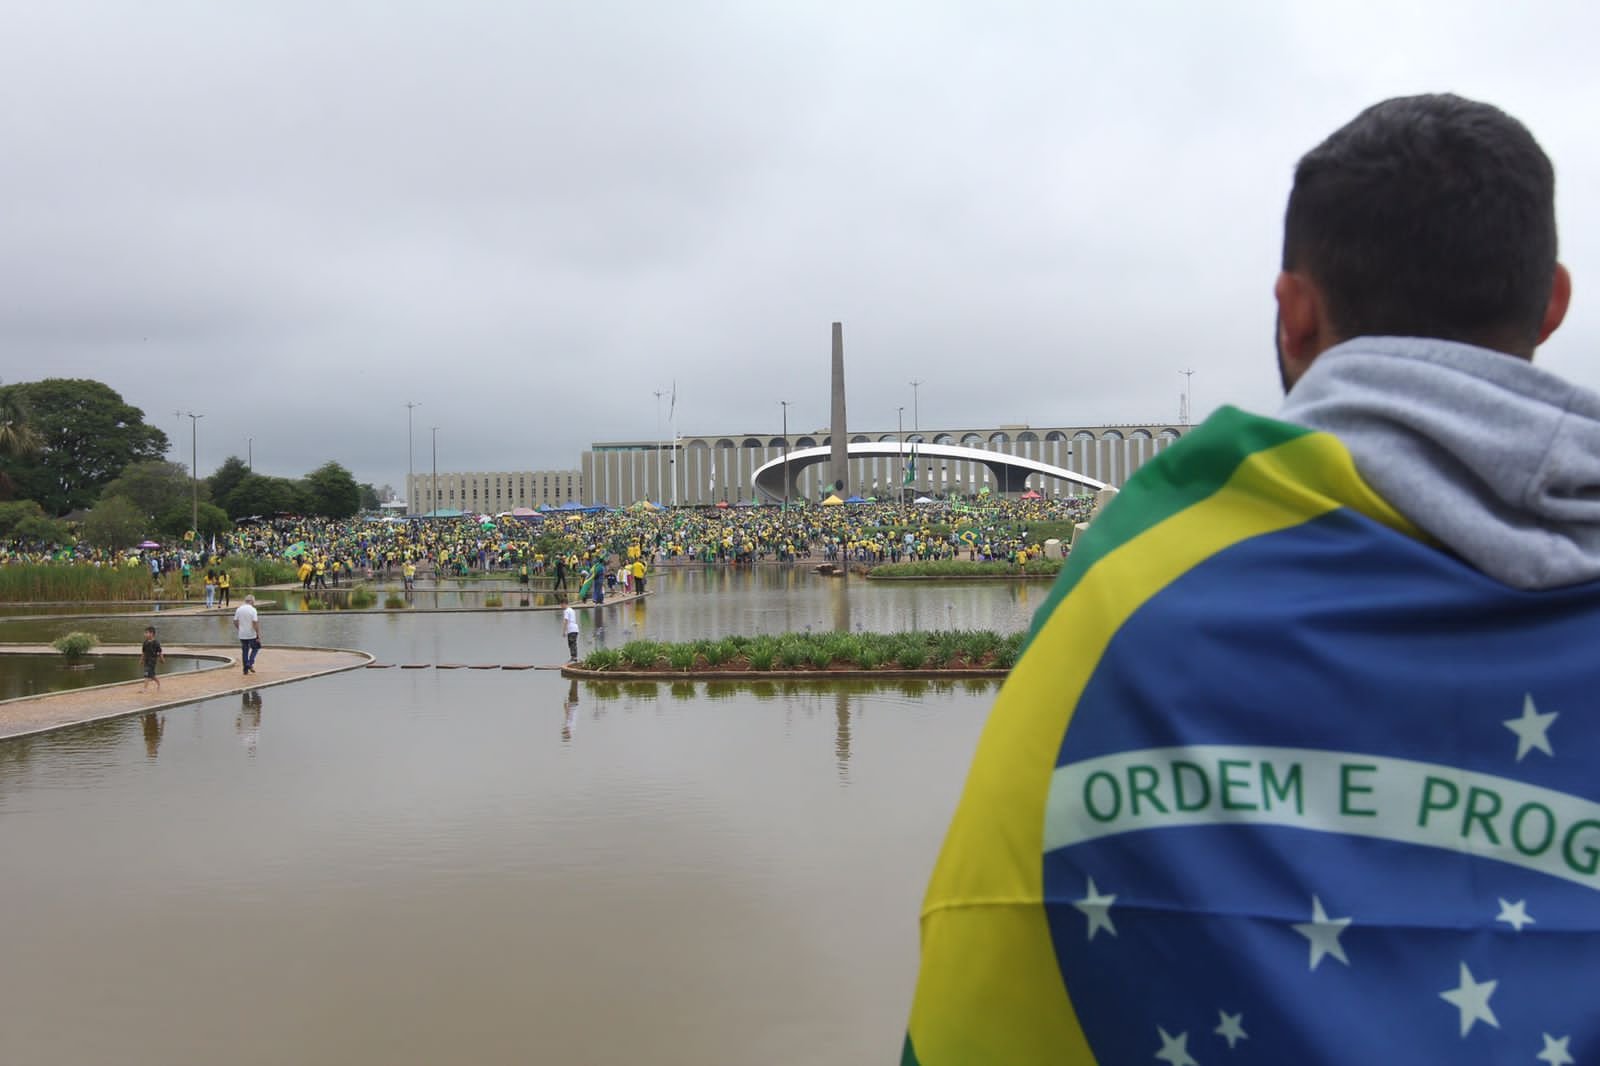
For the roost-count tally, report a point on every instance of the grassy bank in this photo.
(963, 568)
(82, 583)
(948, 650)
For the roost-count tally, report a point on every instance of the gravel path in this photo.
(277, 665)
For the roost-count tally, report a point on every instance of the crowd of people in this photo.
(326, 553)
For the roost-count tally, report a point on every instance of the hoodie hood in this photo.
(1494, 458)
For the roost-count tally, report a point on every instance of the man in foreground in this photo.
(247, 625)
(1298, 766)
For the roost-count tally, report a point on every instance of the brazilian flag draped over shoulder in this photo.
(1276, 781)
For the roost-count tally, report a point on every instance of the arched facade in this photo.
(703, 470)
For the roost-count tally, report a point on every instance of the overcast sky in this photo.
(296, 217)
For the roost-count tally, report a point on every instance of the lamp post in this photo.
(411, 472)
(659, 479)
(194, 473)
(900, 446)
(250, 454)
(1188, 395)
(785, 405)
(434, 491)
(916, 415)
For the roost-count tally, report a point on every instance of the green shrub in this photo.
(821, 657)
(762, 655)
(76, 644)
(393, 602)
(314, 604)
(361, 599)
(717, 652)
(792, 652)
(641, 654)
(911, 655)
(1009, 649)
(493, 601)
(681, 656)
(869, 659)
(602, 659)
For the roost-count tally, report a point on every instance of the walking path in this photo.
(277, 665)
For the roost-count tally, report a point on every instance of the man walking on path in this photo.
(247, 625)
(569, 623)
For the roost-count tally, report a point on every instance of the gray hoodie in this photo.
(1494, 458)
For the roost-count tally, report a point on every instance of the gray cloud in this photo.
(295, 217)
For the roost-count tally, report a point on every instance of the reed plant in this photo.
(73, 583)
(75, 645)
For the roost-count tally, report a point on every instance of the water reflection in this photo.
(482, 866)
(248, 721)
(155, 724)
(841, 735)
(569, 711)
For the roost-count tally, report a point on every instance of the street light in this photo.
(250, 454)
(916, 417)
(900, 446)
(660, 487)
(194, 473)
(411, 473)
(785, 405)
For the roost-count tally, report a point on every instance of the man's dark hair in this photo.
(1428, 216)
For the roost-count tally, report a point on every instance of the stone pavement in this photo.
(277, 665)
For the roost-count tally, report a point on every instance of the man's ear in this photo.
(1303, 331)
(1556, 310)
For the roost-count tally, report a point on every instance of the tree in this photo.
(332, 492)
(37, 529)
(86, 434)
(370, 497)
(18, 438)
(259, 494)
(115, 523)
(23, 521)
(177, 521)
(227, 477)
(155, 487)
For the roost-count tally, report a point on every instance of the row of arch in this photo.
(998, 439)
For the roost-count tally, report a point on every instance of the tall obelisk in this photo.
(839, 459)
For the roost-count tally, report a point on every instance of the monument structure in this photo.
(839, 459)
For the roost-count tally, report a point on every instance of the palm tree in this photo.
(17, 437)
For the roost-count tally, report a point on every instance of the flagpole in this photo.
(672, 461)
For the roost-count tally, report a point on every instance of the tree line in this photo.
(75, 456)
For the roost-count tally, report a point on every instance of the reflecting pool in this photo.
(419, 867)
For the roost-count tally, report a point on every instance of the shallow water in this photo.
(32, 675)
(685, 604)
(429, 867)
(398, 867)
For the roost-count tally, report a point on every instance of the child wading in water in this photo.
(150, 652)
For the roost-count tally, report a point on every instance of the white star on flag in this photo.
(1097, 909)
(1471, 998)
(1555, 1051)
(1514, 914)
(1532, 728)
(1175, 1049)
(1231, 1028)
(1323, 932)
